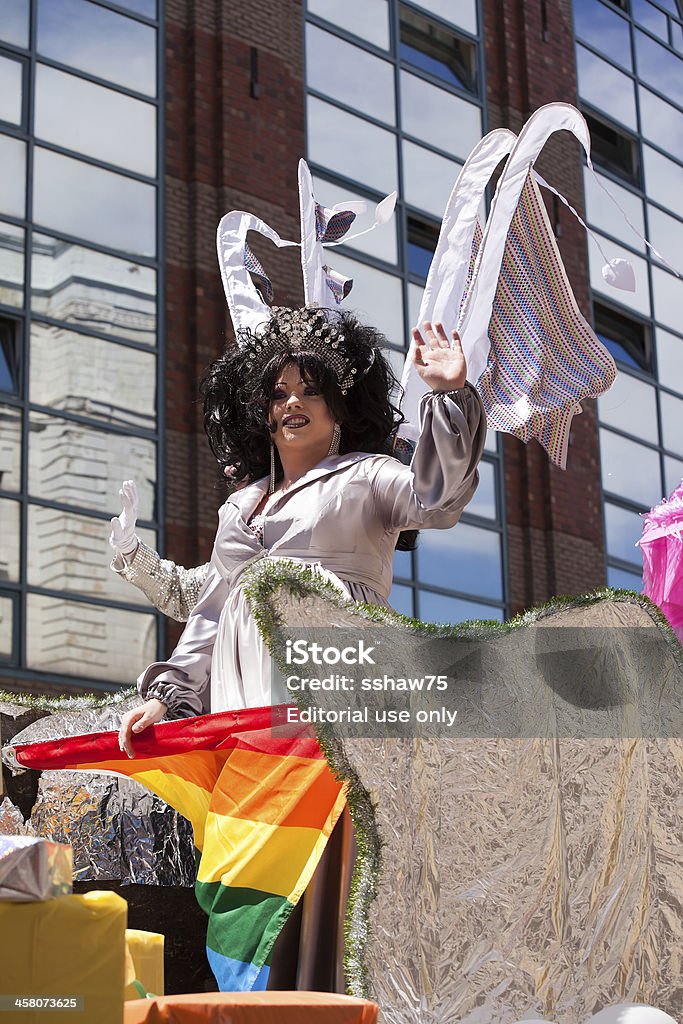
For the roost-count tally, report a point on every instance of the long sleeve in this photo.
(171, 588)
(442, 477)
(183, 682)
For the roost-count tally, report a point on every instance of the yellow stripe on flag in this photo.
(254, 855)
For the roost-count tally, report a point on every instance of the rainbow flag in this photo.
(262, 802)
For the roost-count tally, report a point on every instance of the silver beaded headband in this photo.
(303, 330)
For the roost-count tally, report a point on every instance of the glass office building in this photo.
(395, 100)
(125, 120)
(80, 325)
(629, 58)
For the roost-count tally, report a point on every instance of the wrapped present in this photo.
(144, 964)
(69, 949)
(34, 869)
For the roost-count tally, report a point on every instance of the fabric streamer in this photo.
(530, 352)
(262, 802)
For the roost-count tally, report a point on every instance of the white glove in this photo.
(123, 538)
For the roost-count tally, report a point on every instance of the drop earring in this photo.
(334, 443)
(271, 489)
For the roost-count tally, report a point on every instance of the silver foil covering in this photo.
(118, 830)
(501, 880)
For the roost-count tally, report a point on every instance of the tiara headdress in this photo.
(293, 331)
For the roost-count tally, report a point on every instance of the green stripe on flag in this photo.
(243, 923)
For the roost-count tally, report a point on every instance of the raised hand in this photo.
(441, 365)
(123, 537)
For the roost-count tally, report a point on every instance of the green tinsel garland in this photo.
(55, 705)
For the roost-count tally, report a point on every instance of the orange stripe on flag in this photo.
(274, 790)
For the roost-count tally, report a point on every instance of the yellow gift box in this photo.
(68, 947)
(144, 964)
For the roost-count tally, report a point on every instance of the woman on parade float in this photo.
(309, 396)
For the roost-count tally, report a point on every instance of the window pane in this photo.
(463, 558)
(352, 147)
(79, 465)
(629, 469)
(639, 300)
(666, 234)
(13, 163)
(630, 405)
(624, 528)
(663, 180)
(403, 564)
(79, 639)
(91, 119)
(6, 627)
(449, 610)
(99, 41)
(376, 296)
(661, 123)
(415, 293)
(380, 243)
(614, 150)
(491, 443)
(10, 448)
(659, 66)
(672, 422)
(626, 338)
(78, 374)
(71, 552)
(604, 215)
(426, 110)
(670, 360)
(428, 178)
(9, 355)
(10, 526)
(677, 36)
(423, 236)
(458, 12)
(438, 51)
(401, 600)
(94, 204)
(93, 290)
(624, 580)
(673, 474)
(14, 22)
(648, 16)
(604, 29)
(146, 7)
(604, 87)
(350, 75)
(396, 358)
(11, 265)
(368, 19)
(484, 501)
(11, 75)
(668, 298)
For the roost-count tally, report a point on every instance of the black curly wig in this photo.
(237, 392)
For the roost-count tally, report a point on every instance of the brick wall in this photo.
(225, 150)
(555, 534)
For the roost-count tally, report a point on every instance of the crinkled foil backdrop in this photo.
(119, 831)
(518, 878)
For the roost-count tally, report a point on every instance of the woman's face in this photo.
(300, 414)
